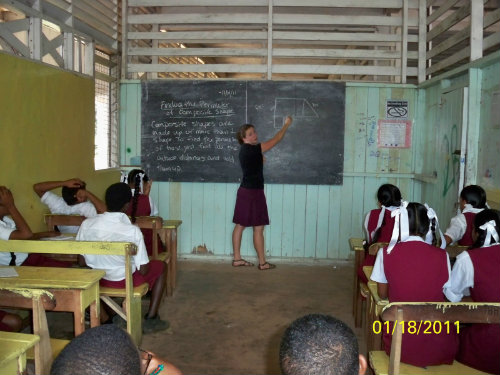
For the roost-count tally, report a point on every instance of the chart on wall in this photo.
(188, 129)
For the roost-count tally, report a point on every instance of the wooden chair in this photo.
(444, 312)
(45, 349)
(53, 220)
(155, 223)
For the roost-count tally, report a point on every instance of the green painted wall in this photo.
(307, 221)
(47, 132)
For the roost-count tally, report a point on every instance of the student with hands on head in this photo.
(75, 200)
(251, 207)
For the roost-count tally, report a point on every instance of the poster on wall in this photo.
(396, 109)
(394, 133)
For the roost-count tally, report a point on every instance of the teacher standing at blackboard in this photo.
(251, 208)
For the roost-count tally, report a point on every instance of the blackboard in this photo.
(188, 129)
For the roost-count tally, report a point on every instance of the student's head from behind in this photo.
(473, 195)
(389, 195)
(486, 228)
(118, 197)
(73, 195)
(418, 221)
(319, 344)
(103, 350)
(136, 177)
(246, 134)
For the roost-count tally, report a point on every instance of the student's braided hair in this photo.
(135, 176)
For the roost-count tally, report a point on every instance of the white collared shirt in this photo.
(57, 205)
(113, 227)
(458, 223)
(7, 226)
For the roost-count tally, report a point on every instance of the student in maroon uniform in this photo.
(472, 201)
(379, 223)
(142, 205)
(414, 271)
(475, 273)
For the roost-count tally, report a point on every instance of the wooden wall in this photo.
(307, 221)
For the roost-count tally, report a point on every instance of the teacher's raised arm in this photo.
(266, 146)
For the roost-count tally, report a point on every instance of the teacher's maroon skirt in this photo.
(251, 208)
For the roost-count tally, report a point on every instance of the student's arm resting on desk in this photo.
(267, 145)
(22, 231)
(461, 279)
(378, 275)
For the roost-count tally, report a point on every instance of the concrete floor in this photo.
(227, 320)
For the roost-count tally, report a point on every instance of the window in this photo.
(106, 106)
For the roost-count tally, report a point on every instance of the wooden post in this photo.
(476, 29)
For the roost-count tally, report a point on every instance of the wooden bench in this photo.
(45, 348)
(131, 307)
(444, 312)
(356, 245)
(13, 348)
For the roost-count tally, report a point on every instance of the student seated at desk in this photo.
(414, 271)
(379, 223)
(142, 205)
(16, 228)
(108, 350)
(115, 226)
(472, 201)
(476, 273)
(75, 200)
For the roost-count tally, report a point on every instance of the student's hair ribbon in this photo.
(431, 214)
(490, 228)
(401, 226)
(124, 177)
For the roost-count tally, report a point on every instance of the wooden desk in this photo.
(356, 245)
(373, 311)
(168, 234)
(13, 347)
(73, 288)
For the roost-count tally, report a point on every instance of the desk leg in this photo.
(173, 246)
(95, 314)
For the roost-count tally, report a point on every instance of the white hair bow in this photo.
(491, 231)
(431, 214)
(141, 176)
(124, 177)
(379, 222)
(400, 216)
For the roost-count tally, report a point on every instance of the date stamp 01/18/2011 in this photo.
(412, 327)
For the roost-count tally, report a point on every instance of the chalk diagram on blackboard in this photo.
(296, 107)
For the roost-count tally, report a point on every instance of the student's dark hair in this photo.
(319, 344)
(474, 195)
(102, 350)
(135, 178)
(242, 132)
(117, 195)
(480, 219)
(388, 195)
(69, 194)
(418, 221)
